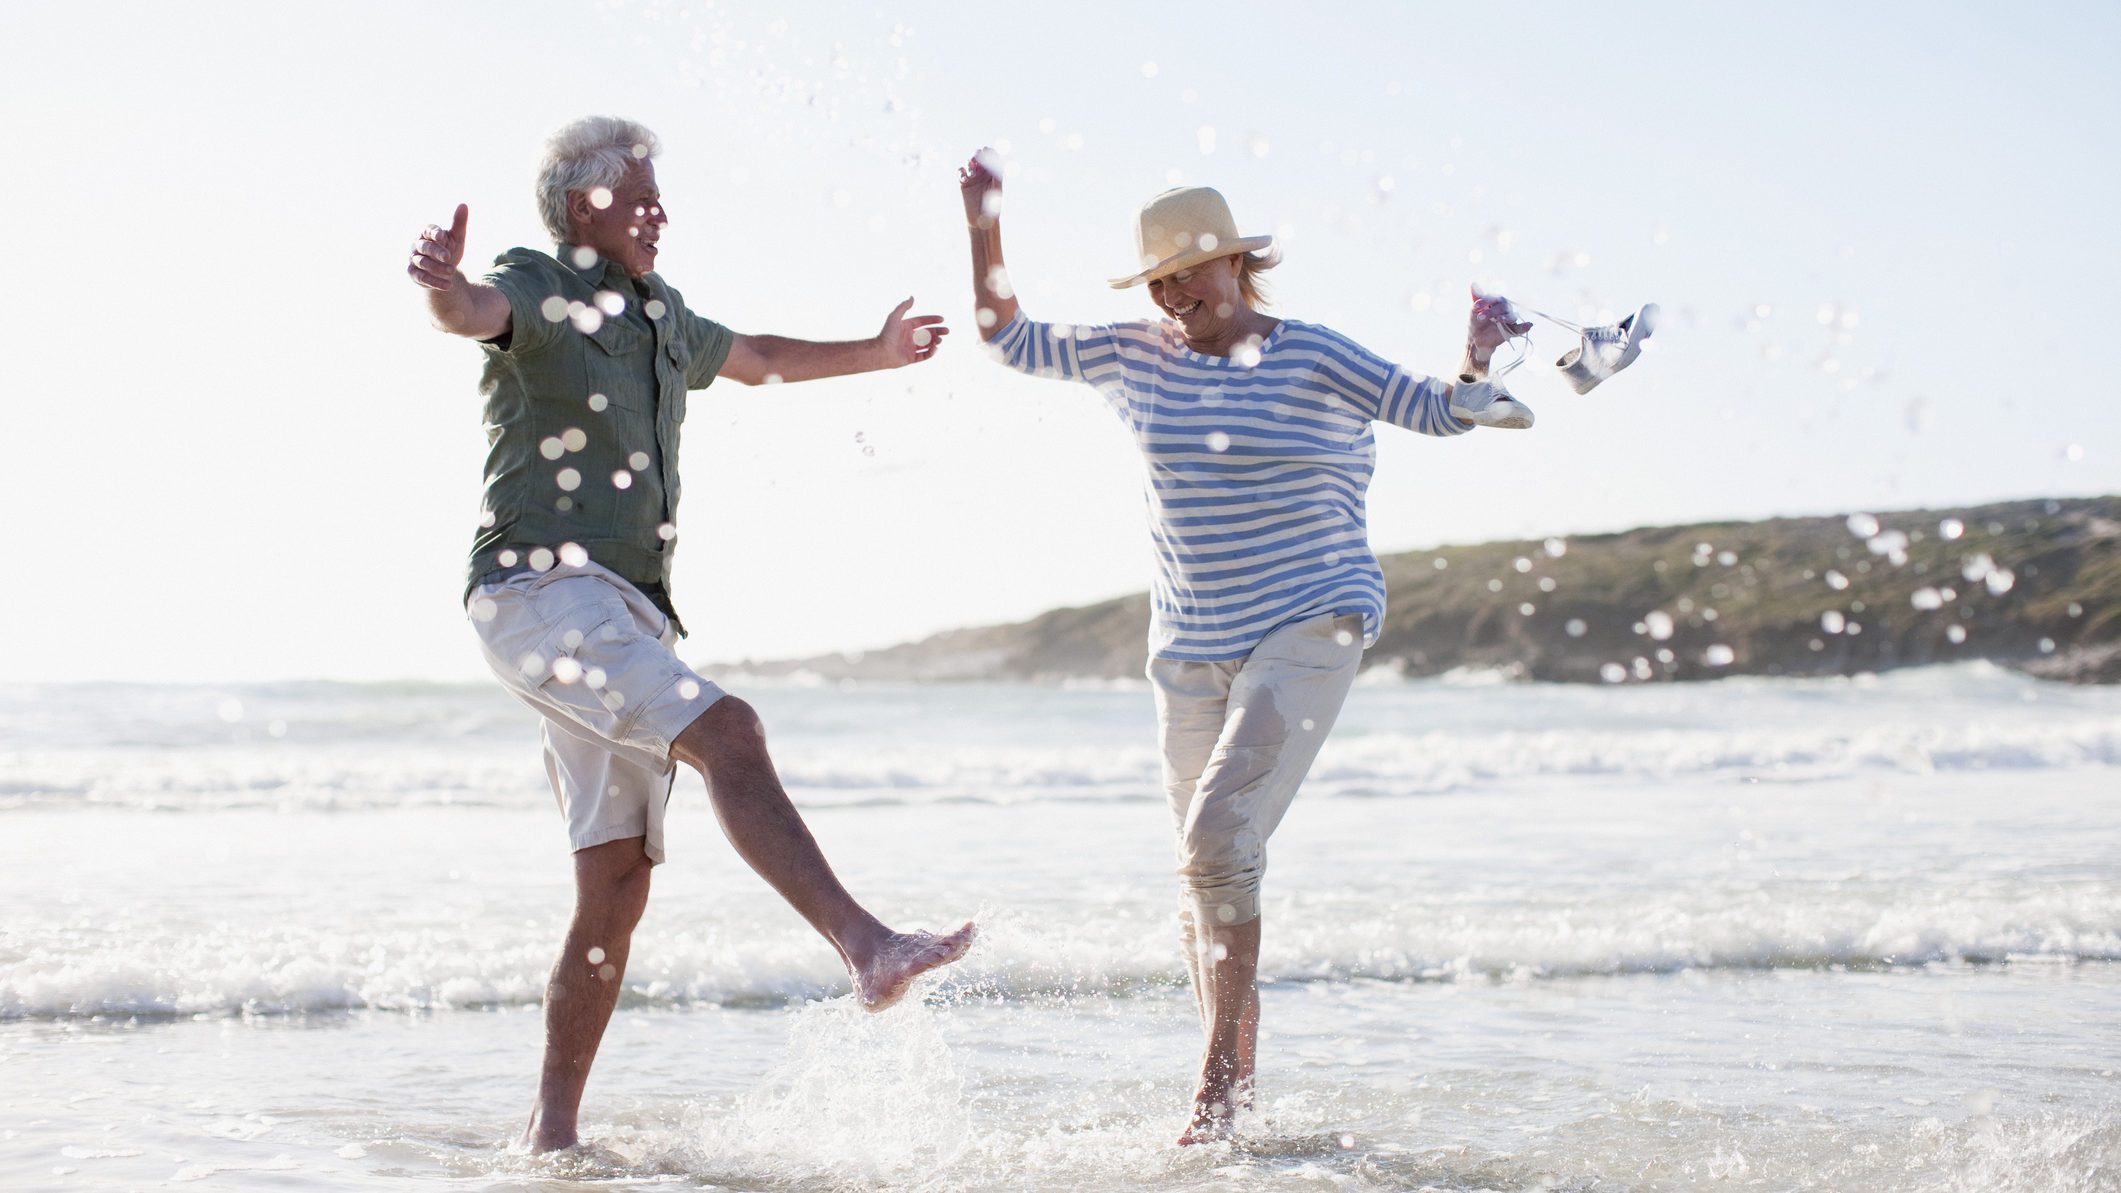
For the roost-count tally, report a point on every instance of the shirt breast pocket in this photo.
(680, 354)
(619, 366)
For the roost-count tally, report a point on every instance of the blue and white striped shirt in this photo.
(1257, 467)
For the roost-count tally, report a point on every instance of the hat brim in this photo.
(1191, 257)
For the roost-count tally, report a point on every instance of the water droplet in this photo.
(1576, 627)
(1926, 598)
(584, 258)
(1863, 526)
(573, 439)
(1999, 581)
(1956, 633)
(1525, 609)
(596, 955)
(688, 690)
(1218, 441)
(666, 532)
(1205, 137)
(568, 479)
(566, 670)
(1612, 673)
(600, 197)
(611, 302)
(587, 320)
(639, 461)
(1950, 528)
(532, 665)
(654, 309)
(540, 559)
(1440, 563)
(598, 402)
(1258, 145)
(506, 559)
(1719, 655)
(1344, 637)
(1557, 548)
(1547, 584)
(622, 479)
(574, 555)
(483, 609)
(1832, 621)
(572, 639)
(1835, 580)
(1494, 586)
(1659, 624)
(554, 309)
(608, 971)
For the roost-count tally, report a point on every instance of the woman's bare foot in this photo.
(889, 972)
(1215, 1110)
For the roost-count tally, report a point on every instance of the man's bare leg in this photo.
(1232, 994)
(611, 891)
(727, 745)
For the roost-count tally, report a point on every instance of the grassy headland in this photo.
(2030, 584)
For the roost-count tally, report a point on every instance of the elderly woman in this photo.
(1255, 434)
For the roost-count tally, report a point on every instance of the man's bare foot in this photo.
(540, 1138)
(904, 956)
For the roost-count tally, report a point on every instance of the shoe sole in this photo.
(1505, 413)
(1583, 381)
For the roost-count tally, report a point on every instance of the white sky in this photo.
(239, 451)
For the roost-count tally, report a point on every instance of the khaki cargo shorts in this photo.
(594, 657)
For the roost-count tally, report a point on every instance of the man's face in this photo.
(626, 227)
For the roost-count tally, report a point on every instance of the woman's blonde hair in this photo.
(1249, 284)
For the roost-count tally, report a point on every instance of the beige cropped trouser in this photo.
(1238, 737)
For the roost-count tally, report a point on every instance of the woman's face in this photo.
(1204, 299)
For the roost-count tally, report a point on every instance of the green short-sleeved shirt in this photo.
(585, 396)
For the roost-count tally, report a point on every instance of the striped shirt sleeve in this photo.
(1417, 403)
(1068, 351)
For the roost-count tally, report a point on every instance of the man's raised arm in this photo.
(755, 360)
(458, 304)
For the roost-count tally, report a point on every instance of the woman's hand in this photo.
(981, 188)
(1492, 324)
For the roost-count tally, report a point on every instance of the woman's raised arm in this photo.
(994, 299)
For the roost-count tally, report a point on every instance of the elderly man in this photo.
(589, 355)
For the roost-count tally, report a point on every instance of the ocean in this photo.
(1851, 934)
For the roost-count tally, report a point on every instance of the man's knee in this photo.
(611, 883)
(729, 730)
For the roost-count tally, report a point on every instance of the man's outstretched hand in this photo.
(438, 252)
(909, 341)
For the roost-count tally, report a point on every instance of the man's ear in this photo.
(579, 211)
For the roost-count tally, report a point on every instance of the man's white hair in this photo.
(592, 152)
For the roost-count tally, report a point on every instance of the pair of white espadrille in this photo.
(1601, 352)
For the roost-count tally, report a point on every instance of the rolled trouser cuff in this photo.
(1224, 906)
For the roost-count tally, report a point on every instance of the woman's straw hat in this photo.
(1183, 227)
